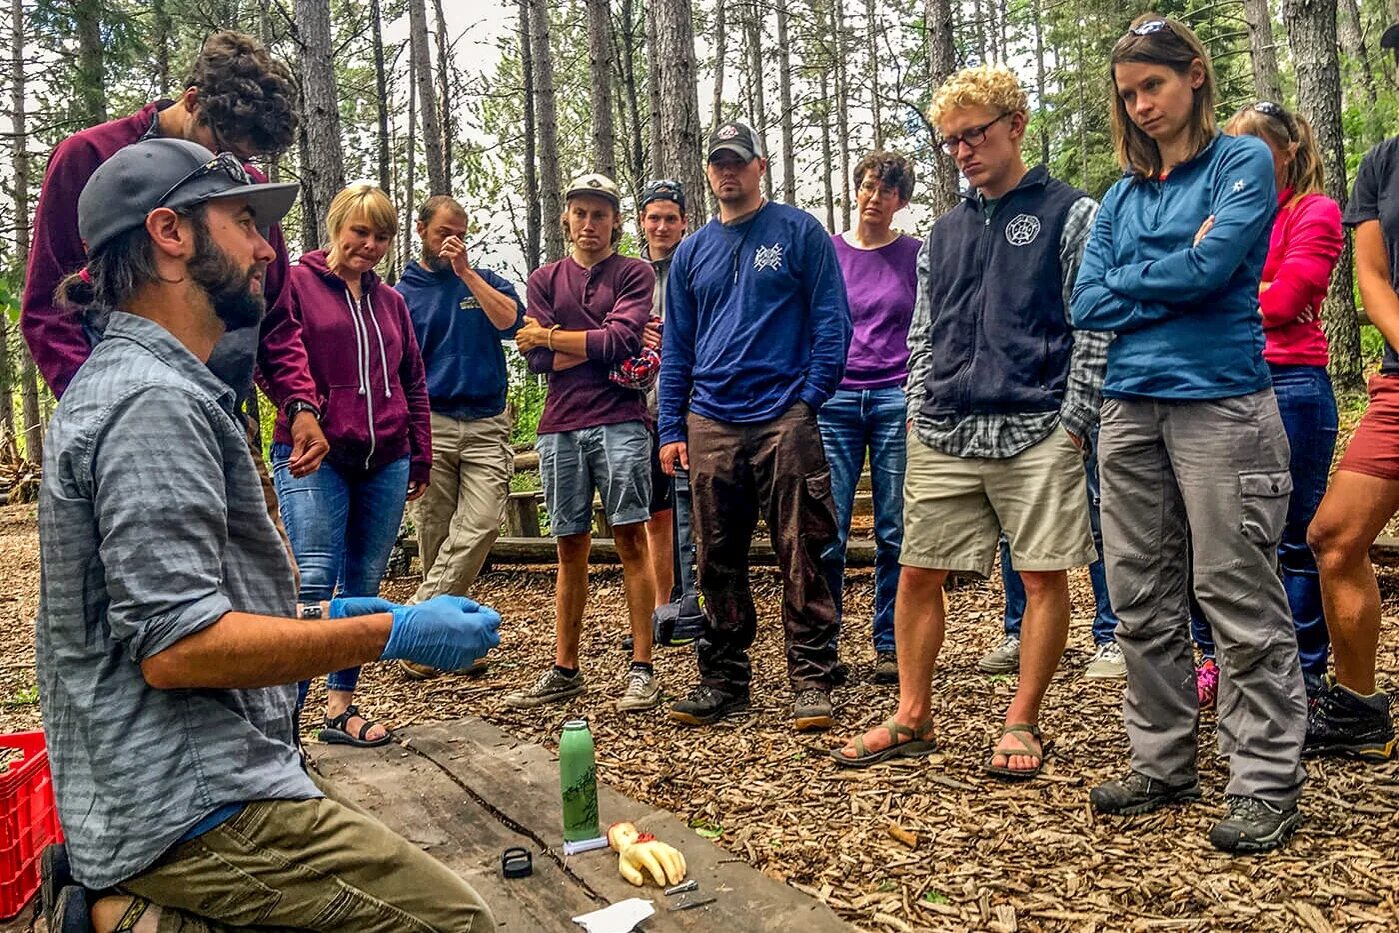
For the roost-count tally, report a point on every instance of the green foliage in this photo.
(1371, 345)
(526, 399)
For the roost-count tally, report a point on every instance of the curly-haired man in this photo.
(237, 99)
(1003, 395)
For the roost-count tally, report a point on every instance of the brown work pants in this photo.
(776, 469)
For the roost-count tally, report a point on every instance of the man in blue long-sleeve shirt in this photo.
(757, 328)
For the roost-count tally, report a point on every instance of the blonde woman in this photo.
(343, 518)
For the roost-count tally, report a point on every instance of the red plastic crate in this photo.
(28, 820)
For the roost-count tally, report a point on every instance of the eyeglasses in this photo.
(973, 137)
(1150, 27)
(1279, 113)
(225, 162)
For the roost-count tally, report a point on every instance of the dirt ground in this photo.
(984, 855)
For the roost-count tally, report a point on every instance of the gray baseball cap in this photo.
(170, 173)
(737, 137)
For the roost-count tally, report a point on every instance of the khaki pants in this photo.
(307, 865)
(458, 518)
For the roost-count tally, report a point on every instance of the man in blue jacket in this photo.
(460, 315)
(757, 328)
(1003, 394)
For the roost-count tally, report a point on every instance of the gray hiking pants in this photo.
(1216, 471)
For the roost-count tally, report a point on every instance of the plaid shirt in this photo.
(998, 436)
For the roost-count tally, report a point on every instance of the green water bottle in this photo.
(578, 780)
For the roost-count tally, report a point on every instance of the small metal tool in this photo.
(682, 887)
(686, 904)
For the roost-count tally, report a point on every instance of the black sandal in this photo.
(335, 731)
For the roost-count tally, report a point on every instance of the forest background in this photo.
(500, 102)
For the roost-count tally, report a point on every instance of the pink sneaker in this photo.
(1207, 682)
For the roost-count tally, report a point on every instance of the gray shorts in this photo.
(614, 460)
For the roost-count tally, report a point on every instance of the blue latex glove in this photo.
(446, 632)
(347, 607)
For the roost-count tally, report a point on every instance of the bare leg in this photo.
(337, 701)
(571, 596)
(640, 588)
(1353, 512)
(1043, 634)
(658, 534)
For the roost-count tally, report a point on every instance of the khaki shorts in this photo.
(956, 507)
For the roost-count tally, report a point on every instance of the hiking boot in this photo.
(886, 668)
(1004, 659)
(1253, 825)
(1342, 722)
(706, 706)
(643, 691)
(1107, 663)
(1207, 683)
(812, 710)
(1137, 793)
(551, 687)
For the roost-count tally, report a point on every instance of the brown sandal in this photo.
(918, 742)
(1018, 730)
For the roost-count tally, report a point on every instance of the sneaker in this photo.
(1137, 793)
(1004, 659)
(812, 710)
(1207, 683)
(1107, 663)
(706, 706)
(886, 668)
(1342, 722)
(643, 691)
(551, 687)
(1253, 825)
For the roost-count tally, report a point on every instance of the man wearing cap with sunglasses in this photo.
(237, 99)
(586, 313)
(185, 615)
(757, 329)
(678, 617)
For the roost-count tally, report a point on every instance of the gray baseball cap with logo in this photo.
(172, 173)
(737, 137)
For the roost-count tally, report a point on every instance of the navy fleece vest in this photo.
(1000, 340)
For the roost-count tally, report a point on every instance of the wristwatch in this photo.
(309, 611)
(298, 406)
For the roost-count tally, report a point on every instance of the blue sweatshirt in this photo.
(461, 347)
(756, 320)
(1186, 317)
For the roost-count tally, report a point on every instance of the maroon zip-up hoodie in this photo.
(368, 371)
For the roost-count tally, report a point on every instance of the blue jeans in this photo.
(1308, 408)
(853, 421)
(1103, 619)
(342, 530)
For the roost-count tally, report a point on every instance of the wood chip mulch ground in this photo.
(924, 845)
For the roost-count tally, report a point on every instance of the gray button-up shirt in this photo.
(152, 525)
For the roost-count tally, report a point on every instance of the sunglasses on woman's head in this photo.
(1277, 112)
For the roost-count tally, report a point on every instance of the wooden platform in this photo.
(464, 791)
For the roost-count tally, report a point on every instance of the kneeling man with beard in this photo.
(169, 641)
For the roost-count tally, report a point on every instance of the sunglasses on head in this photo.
(1277, 112)
(664, 189)
(1150, 27)
(225, 163)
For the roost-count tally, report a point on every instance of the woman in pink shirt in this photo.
(1306, 242)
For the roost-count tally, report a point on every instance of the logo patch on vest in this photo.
(1022, 230)
(768, 257)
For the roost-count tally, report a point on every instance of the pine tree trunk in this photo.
(653, 89)
(872, 37)
(322, 165)
(680, 116)
(784, 85)
(160, 39)
(1038, 14)
(626, 51)
(942, 62)
(756, 99)
(381, 85)
(600, 76)
(827, 158)
(531, 246)
(1352, 40)
(91, 90)
(842, 110)
(979, 31)
(550, 183)
(410, 193)
(444, 94)
(427, 98)
(19, 164)
(720, 43)
(1311, 32)
(1266, 82)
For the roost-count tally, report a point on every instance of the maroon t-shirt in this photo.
(611, 301)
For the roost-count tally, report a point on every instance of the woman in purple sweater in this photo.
(343, 518)
(867, 412)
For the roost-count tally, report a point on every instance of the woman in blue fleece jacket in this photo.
(1193, 455)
